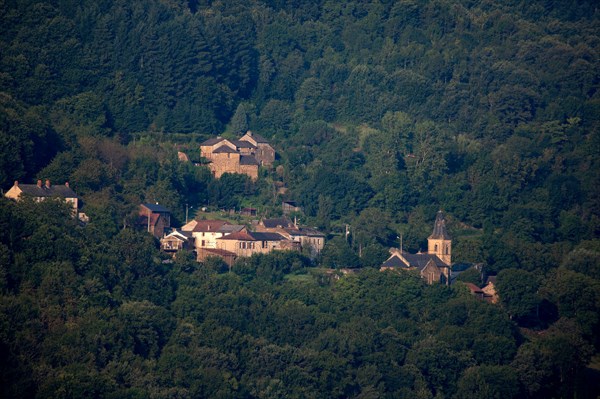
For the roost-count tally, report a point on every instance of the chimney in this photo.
(16, 183)
(67, 184)
(47, 183)
(39, 183)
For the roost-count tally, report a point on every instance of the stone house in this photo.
(289, 207)
(434, 266)
(154, 218)
(245, 243)
(227, 256)
(206, 232)
(242, 156)
(264, 153)
(475, 290)
(309, 239)
(40, 192)
(490, 290)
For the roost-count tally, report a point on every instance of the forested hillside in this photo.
(381, 112)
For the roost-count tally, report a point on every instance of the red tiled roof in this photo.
(473, 288)
(206, 226)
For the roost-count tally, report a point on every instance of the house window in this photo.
(264, 244)
(435, 248)
(203, 243)
(447, 250)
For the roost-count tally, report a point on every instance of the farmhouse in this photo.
(40, 192)
(206, 232)
(246, 243)
(242, 156)
(310, 240)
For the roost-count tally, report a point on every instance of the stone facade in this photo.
(42, 191)
(309, 239)
(439, 242)
(206, 232)
(434, 266)
(242, 156)
(247, 243)
(155, 219)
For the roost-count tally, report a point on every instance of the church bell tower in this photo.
(439, 242)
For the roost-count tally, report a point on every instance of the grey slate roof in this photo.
(53, 191)
(267, 236)
(240, 236)
(394, 261)
(275, 222)
(157, 208)
(439, 228)
(418, 261)
(311, 232)
(248, 160)
(224, 150)
(259, 138)
(212, 141)
(243, 144)
(230, 228)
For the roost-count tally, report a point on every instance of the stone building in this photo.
(154, 218)
(206, 232)
(242, 156)
(264, 153)
(309, 239)
(434, 265)
(42, 191)
(247, 243)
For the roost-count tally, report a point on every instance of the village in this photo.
(229, 241)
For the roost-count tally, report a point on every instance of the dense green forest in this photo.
(382, 112)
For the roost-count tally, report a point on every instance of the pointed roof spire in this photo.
(439, 228)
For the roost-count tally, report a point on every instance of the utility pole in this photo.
(186, 211)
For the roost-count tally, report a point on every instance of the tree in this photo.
(471, 275)
(240, 121)
(576, 297)
(518, 291)
(337, 254)
(146, 327)
(440, 366)
(488, 382)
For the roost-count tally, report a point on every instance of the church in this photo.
(434, 265)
